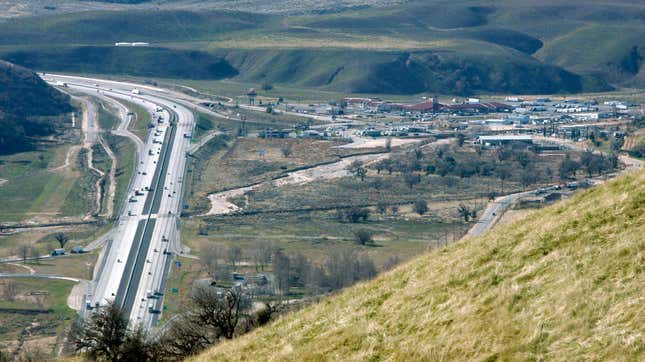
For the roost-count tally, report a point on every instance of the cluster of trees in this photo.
(501, 163)
(353, 214)
(589, 162)
(506, 163)
(215, 314)
(220, 261)
(341, 268)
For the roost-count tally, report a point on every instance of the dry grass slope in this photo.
(562, 283)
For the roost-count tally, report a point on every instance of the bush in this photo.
(363, 237)
(355, 214)
(421, 207)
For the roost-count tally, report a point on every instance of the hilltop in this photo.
(564, 282)
(24, 99)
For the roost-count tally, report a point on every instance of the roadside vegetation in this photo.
(124, 152)
(140, 121)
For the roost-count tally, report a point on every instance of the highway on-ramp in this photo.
(144, 240)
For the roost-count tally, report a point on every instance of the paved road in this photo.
(143, 242)
(202, 141)
(493, 212)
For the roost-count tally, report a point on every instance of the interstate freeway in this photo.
(141, 246)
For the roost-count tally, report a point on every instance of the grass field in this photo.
(141, 121)
(44, 241)
(315, 234)
(124, 152)
(81, 199)
(107, 119)
(75, 266)
(181, 279)
(43, 331)
(33, 188)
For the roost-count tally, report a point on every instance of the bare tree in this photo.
(212, 259)
(220, 312)
(23, 251)
(10, 290)
(185, 337)
(411, 179)
(381, 207)
(234, 255)
(62, 239)
(357, 169)
(287, 149)
(465, 212)
(262, 256)
(281, 269)
(104, 334)
(34, 253)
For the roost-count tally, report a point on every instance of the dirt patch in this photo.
(367, 142)
(220, 204)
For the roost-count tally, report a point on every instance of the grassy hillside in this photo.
(24, 100)
(138, 61)
(455, 46)
(564, 282)
(444, 70)
(101, 28)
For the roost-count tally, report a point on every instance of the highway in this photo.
(141, 246)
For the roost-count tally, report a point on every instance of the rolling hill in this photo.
(457, 47)
(24, 100)
(564, 282)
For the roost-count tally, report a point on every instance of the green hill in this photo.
(24, 100)
(444, 70)
(563, 283)
(136, 61)
(439, 46)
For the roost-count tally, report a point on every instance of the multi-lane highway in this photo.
(145, 238)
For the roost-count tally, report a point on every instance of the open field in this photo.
(106, 117)
(43, 238)
(75, 266)
(223, 165)
(43, 330)
(38, 184)
(315, 234)
(181, 279)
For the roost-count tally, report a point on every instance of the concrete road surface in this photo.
(144, 241)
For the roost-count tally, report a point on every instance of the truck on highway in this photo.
(133, 199)
(136, 91)
(59, 251)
